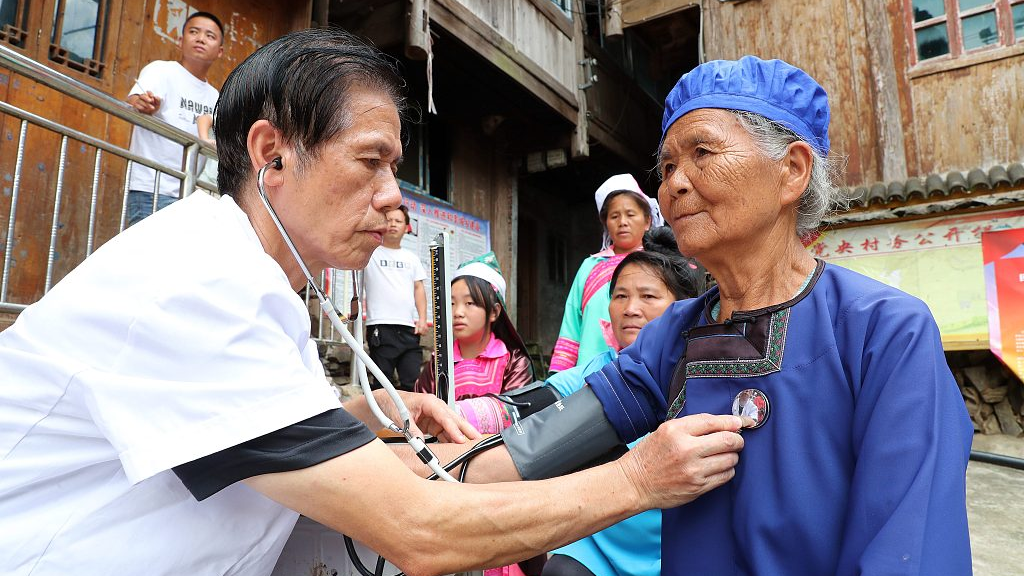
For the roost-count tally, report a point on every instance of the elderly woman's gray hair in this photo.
(822, 196)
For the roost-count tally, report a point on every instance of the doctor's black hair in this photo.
(684, 277)
(300, 83)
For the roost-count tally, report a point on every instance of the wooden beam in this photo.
(888, 115)
(484, 40)
(581, 134)
(639, 11)
(609, 141)
(417, 37)
(554, 14)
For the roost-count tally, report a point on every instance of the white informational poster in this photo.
(468, 236)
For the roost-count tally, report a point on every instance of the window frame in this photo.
(40, 22)
(27, 17)
(1009, 22)
(953, 19)
(96, 64)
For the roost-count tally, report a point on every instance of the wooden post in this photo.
(613, 18)
(581, 134)
(417, 37)
(886, 93)
(321, 8)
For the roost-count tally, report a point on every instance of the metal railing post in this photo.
(52, 254)
(9, 247)
(188, 185)
(92, 202)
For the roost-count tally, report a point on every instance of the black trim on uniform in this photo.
(294, 447)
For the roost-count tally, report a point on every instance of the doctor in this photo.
(163, 410)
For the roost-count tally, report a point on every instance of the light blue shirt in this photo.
(631, 547)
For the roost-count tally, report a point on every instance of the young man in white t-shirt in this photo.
(177, 93)
(396, 304)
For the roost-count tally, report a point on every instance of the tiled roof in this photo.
(936, 187)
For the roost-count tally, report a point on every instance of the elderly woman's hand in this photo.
(429, 415)
(683, 459)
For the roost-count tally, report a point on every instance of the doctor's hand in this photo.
(684, 458)
(429, 415)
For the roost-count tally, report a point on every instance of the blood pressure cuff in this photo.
(571, 434)
(530, 399)
(294, 447)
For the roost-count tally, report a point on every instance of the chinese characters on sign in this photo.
(907, 236)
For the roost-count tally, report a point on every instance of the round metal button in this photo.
(753, 404)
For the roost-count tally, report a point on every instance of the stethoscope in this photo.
(416, 443)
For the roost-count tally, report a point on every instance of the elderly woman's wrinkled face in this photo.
(717, 190)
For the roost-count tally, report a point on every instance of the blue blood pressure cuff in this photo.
(570, 434)
(294, 447)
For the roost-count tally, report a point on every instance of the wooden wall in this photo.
(484, 184)
(138, 33)
(891, 119)
(540, 32)
(824, 38)
(968, 117)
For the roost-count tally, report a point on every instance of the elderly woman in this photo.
(626, 214)
(857, 459)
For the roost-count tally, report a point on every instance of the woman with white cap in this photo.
(626, 213)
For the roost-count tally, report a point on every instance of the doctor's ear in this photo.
(267, 150)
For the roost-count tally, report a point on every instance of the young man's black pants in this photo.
(395, 347)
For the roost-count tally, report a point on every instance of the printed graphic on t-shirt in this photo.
(391, 263)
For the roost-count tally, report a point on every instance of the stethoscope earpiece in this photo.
(277, 163)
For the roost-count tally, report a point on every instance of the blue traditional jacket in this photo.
(860, 466)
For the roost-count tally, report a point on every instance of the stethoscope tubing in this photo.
(364, 361)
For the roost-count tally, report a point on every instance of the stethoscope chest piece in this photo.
(752, 403)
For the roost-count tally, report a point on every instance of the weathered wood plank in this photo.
(501, 53)
(639, 11)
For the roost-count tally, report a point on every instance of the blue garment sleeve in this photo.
(911, 437)
(633, 388)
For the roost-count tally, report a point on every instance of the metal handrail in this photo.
(65, 84)
(87, 139)
(192, 147)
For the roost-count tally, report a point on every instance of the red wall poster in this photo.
(1003, 254)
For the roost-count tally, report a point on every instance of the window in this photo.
(78, 38)
(426, 161)
(953, 28)
(14, 19)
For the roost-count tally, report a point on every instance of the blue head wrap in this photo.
(772, 88)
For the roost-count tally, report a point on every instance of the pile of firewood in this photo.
(993, 394)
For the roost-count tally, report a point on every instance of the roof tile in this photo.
(978, 180)
(899, 192)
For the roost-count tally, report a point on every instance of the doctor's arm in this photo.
(445, 528)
